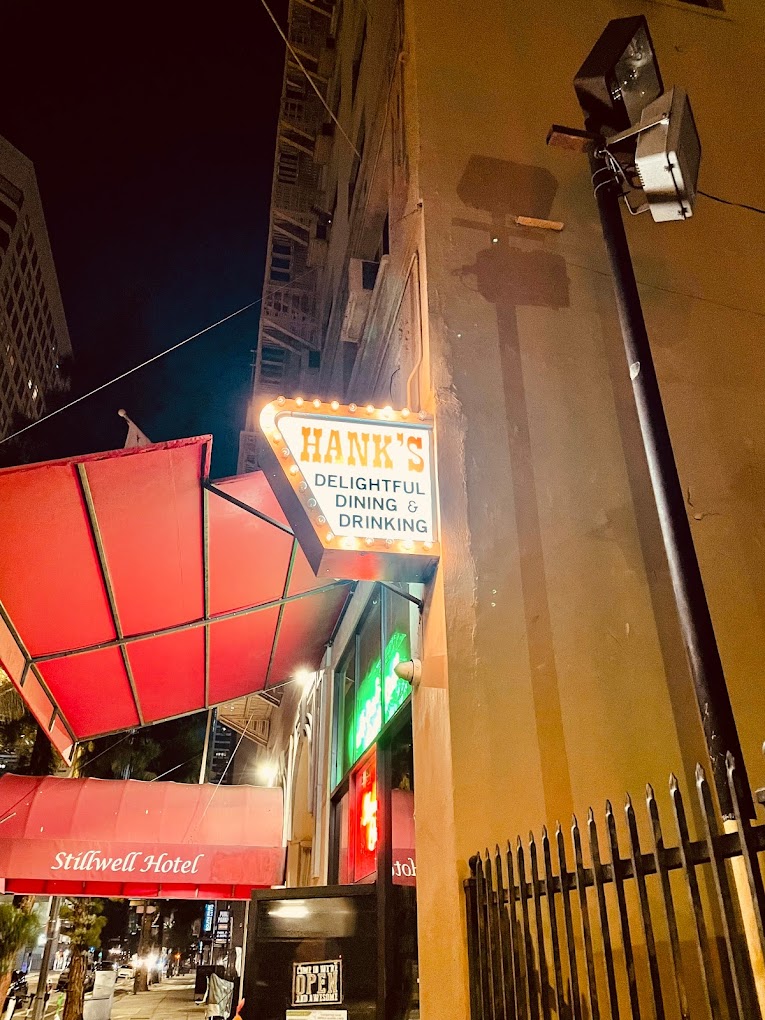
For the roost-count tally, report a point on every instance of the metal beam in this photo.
(285, 590)
(179, 628)
(206, 589)
(29, 664)
(95, 532)
(404, 595)
(54, 703)
(246, 507)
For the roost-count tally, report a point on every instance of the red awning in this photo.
(100, 837)
(132, 589)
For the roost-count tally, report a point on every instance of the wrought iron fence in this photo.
(619, 937)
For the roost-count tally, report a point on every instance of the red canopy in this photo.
(97, 837)
(132, 589)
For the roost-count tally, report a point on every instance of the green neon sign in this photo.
(377, 701)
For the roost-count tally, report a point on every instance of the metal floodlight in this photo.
(668, 155)
(620, 77)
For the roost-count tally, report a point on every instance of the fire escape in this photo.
(289, 341)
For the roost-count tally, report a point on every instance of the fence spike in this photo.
(740, 971)
(692, 884)
(505, 943)
(576, 1006)
(669, 906)
(496, 962)
(544, 980)
(552, 912)
(748, 850)
(636, 857)
(598, 883)
(581, 888)
(621, 901)
(531, 983)
(519, 972)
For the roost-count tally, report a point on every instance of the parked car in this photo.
(90, 979)
(125, 971)
(18, 989)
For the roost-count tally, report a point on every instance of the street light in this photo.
(620, 91)
(620, 77)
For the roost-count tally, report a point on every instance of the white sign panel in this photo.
(317, 1014)
(371, 479)
(362, 480)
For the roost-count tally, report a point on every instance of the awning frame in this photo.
(29, 664)
(123, 641)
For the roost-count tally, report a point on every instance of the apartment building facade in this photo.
(34, 339)
(553, 669)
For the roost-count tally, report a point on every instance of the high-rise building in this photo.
(34, 338)
(408, 266)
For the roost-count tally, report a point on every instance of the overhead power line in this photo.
(737, 205)
(311, 82)
(130, 371)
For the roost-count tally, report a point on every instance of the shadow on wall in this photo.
(511, 276)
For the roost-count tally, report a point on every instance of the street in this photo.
(173, 999)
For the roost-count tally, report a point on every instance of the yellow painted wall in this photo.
(554, 674)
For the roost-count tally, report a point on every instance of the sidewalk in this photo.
(173, 999)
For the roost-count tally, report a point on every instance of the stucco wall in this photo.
(556, 677)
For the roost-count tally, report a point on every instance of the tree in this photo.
(81, 920)
(18, 929)
(31, 751)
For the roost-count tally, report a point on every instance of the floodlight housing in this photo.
(620, 77)
(668, 155)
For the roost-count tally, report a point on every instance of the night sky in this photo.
(152, 129)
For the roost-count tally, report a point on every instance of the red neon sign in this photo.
(368, 820)
(365, 820)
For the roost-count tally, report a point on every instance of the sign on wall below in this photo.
(317, 983)
(357, 485)
(317, 1014)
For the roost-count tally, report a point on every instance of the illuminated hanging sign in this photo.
(357, 485)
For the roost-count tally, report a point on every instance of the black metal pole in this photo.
(706, 668)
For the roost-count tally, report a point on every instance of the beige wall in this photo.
(558, 677)
(563, 621)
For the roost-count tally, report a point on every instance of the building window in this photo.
(368, 691)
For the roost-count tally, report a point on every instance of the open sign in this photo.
(317, 983)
